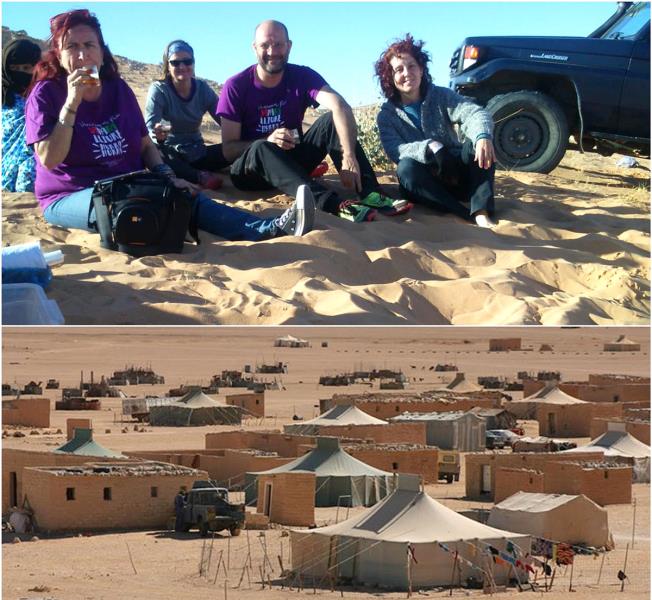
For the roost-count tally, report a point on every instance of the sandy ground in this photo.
(572, 247)
(166, 564)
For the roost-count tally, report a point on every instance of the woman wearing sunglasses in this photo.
(175, 107)
(85, 124)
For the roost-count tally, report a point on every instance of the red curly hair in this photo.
(384, 72)
(50, 67)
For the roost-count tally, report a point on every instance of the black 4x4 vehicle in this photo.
(540, 90)
(208, 509)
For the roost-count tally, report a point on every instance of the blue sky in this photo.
(341, 40)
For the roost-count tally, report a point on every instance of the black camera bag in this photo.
(143, 213)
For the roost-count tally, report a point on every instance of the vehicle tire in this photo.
(203, 528)
(531, 131)
(235, 531)
(449, 479)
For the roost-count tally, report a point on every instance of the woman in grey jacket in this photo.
(173, 113)
(416, 131)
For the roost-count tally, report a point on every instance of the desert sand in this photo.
(165, 564)
(571, 247)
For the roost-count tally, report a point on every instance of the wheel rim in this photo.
(523, 138)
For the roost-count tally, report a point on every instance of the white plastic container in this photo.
(27, 304)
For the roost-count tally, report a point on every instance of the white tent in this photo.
(548, 394)
(338, 415)
(558, 517)
(289, 341)
(338, 476)
(620, 446)
(372, 548)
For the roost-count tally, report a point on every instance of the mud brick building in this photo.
(407, 433)
(504, 344)
(480, 468)
(385, 406)
(639, 428)
(601, 482)
(104, 496)
(399, 458)
(573, 420)
(29, 412)
(14, 463)
(253, 404)
(287, 498)
(600, 388)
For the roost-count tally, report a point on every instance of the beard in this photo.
(277, 68)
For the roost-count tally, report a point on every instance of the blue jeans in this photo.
(76, 212)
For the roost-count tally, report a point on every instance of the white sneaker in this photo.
(300, 217)
(484, 221)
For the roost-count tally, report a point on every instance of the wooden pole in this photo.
(133, 566)
(453, 573)
(601, 565)
(408, 567)
(228, 552)
(622, 583)
(225, 588)
(570, 583)
(219, 563)
(634, 523)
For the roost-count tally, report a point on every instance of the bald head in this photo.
(266, 27)
(272, 47)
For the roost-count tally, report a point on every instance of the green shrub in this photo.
(370, 139)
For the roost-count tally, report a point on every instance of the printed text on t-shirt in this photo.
(270, 117)
(106, 139)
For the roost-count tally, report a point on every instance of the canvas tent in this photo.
(195, 408)
(337, 474)
(461, 385)
(371, 548)
(83, 444)
(289, 341)
(455, 430)
(558, 517)
(622, 344)
(619, 446)
(338, 415)
(548, 394)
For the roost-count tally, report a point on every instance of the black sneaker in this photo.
(300, 217)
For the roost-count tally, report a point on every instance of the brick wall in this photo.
(420, 461)
(273, 441)
(14, 462)
(72, 424)
(639, 429)
(407, 433)
(602, 484)
(30, 412)
(292, 498)
(253, 403)
(604, 392)
(511, 481)
(503, 344)
(473, 464)
(131, 505)
(384, 409)
(573, 420)
(223, 465)
(609, 378)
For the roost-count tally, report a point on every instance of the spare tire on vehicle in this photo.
(531, 131)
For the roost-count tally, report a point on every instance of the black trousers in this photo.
(474, 187)
(213, 160)
(265, 166)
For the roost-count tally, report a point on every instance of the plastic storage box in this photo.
(27, 304)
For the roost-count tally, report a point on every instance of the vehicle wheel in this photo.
(449, 479)
(531, 132)
(203, 528)
(235, 531)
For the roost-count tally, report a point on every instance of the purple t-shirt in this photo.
(261, 110)
(106, 138)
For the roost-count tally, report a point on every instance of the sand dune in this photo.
(572, 247)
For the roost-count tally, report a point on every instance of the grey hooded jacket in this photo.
(440, 109)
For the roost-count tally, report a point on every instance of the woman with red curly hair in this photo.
(416, 131)
(85, 125)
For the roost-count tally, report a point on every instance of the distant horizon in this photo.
(345, 57)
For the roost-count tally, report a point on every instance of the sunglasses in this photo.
(183, 61)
